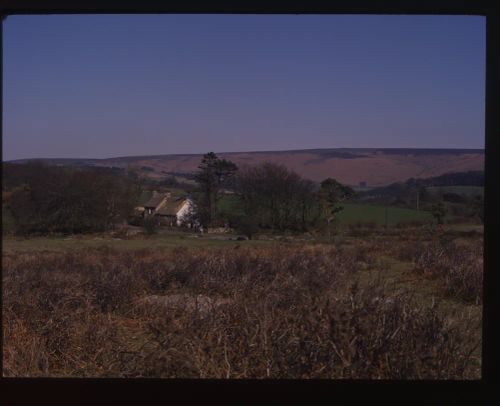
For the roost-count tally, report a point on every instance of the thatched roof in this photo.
(172, 207)
(155, 200)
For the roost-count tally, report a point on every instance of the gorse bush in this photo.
(459, 267)
(273, 312)
(356, 335)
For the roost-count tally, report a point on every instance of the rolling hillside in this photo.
(375, 167)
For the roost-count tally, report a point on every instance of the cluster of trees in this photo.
(46, 199)
(272, 196)
(268, 196)
(275, 197)
(469, 178)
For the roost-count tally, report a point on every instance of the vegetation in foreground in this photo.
(287, 311)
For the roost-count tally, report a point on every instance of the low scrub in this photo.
(267, 312)
(458, 266)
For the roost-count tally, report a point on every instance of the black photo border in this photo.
(146, 391)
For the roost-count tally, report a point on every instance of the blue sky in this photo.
(100, 86)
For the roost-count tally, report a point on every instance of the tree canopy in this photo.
(70, 200)
(277, 197)
(213, 174)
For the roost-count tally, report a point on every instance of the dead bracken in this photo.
(286, 311)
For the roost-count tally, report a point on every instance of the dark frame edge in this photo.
(125, 389)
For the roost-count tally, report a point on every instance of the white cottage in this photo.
(168, 210)
(176, 212)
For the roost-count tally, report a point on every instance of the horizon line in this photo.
(245, 152)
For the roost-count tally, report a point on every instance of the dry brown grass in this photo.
(282, 312)
(457, 265)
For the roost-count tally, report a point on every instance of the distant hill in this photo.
(457, 180)
(370, 166)
(469, 178)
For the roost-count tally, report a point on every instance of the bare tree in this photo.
(331, 194)
(277, 197)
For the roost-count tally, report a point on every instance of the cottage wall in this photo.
(184, 211)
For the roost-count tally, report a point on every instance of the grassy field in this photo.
(156, 242)
(229, 205)
(362, 213)
(177, 192)
(352, 213)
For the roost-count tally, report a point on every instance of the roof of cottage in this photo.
(155, 200)
(172, 207)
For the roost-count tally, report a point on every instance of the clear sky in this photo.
(97, 86)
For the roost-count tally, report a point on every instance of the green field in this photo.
(459, 190)
(363, 213)
(229, 205)
(352, 213)
(177, 192)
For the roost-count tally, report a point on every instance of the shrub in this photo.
(247, 226)
(285, 312)
(459, 267)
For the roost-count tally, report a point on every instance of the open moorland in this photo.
(375, 167)
(394, 303)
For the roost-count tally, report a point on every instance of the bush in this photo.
(361, 229)
(460, 268)
(247, 225)
(276, 312)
